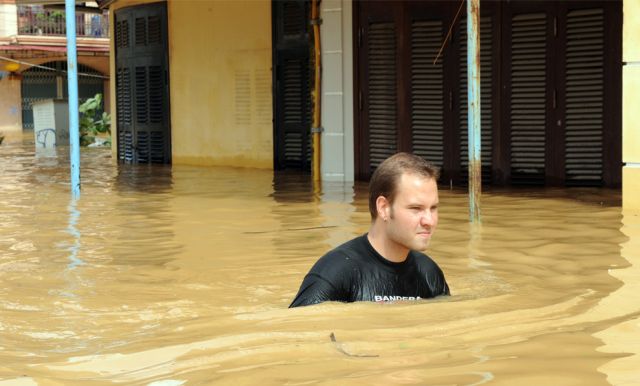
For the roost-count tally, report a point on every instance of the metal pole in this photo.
(473, 101)
(72, 78)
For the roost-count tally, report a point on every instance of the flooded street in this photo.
(181, 275)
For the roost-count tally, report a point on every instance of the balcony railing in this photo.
(36, 20)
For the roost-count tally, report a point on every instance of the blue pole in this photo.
(72, 80)
(473, 101)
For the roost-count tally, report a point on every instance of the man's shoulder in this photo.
(344, 255)
(424, 262)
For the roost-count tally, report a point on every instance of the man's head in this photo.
(386, 178)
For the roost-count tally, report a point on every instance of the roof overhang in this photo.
(105, 3)
(44, 2)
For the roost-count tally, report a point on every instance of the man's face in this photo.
(413, 216)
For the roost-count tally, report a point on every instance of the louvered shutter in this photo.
(584, 79)
(294, 19)
(528, 98)
(381, 92)
(124, 90)
(486, 108)
(141, 85)
(293, 85)
(296, 113)
(149, 111)
(152, 136)
(123, 106)
(427, 96)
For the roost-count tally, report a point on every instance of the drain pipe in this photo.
(316, 128)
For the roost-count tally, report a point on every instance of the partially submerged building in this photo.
(33, 57)
(231, 83)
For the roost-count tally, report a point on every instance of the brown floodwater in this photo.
(181, 275)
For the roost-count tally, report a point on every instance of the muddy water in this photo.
(182, 275)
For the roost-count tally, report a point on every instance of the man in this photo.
(385, 264)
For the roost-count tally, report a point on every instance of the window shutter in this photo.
(149, 107)
(486, 108)
(141, 31)
(141, 85)
(293, 85)
(123, 105)
(122, 34)
(294, 23)
(528, 98)
(297, 113)
(381, 92)
(584, 97)
(124, 89)
(427, 84)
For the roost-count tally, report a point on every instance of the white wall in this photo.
(8, 20)
(337, 90)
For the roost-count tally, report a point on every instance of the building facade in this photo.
(235, 79)
(33, 59)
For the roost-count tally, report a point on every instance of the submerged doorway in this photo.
(40, 84)
(551, 94)
(142, 84)
(292, 82)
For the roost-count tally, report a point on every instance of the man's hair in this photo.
(386, 178)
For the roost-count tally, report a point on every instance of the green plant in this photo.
(92, 123)
(50, 16)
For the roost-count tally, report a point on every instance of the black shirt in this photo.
(354, 271)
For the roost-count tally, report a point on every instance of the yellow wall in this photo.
(220, 60)
(220, 81)
(631, 106)
(10, 108)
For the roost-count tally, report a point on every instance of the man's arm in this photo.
(315, 289)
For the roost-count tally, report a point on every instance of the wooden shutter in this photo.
(528, 98)
(550, 96)
(149, 111)
(124, 89)
(427, 90)
(124, 119)
(292, 144)
(296, 113)
(404, 100)
(381, 94)
(486, 97)
(584, 82)
(142, 89)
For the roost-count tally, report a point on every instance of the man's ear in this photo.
(383, 207)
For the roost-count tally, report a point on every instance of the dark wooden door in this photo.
(292, 79)
(142, 84)
(550, 93)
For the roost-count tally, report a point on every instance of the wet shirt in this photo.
(354, 272)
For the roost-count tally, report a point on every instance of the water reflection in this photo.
(72, 229)
(144, 195)
(144, 179)
(183, 274)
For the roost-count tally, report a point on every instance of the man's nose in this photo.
(427, 218)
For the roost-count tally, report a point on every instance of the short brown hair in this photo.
(386, 177)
